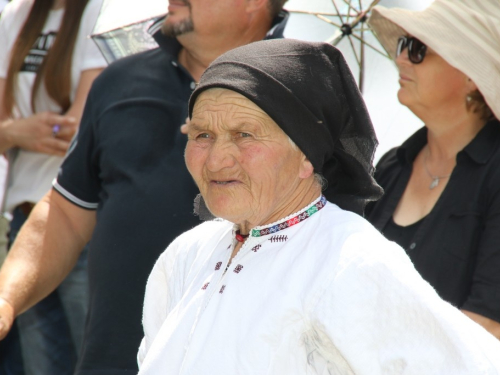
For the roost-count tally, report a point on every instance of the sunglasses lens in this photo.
(402, 42)
(416, 51)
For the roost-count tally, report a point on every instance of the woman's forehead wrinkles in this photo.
(229, 111)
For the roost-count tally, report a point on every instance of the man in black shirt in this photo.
(124, 185)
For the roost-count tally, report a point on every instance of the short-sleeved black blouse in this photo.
(457, 247)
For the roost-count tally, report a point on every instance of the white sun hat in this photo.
(465, 33)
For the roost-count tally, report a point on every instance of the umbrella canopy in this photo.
(122, 26)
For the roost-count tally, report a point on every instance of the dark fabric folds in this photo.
(308, 90)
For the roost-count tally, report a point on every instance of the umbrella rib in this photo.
(354, 50)
(371, 46)
(349, 4)
(362, 55)
(320, 16)
(338, 12)
(322, 13)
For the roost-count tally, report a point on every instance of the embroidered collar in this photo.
(291, 220)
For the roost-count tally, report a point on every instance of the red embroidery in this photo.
(255, 248)
(238, 268)
(217, 266)
(222, 289)
(278, 238)
(205, 286)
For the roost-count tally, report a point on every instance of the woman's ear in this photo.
(306, 168)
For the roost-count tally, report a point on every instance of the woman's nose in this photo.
(222, 155)
(403, 57)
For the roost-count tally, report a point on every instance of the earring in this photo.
(468, 102)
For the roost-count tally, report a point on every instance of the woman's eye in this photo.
(203, 136)
(245, 135)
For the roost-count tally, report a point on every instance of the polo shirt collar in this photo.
(173, 47)
(480, 149)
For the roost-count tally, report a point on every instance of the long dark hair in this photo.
(55, 70)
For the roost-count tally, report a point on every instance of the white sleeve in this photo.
(89, 56)
(383, 318)
(160, 294)
(11, 20)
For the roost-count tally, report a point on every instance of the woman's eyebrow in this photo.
(195, 126)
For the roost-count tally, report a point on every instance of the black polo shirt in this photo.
(457, 247)
(127, 162)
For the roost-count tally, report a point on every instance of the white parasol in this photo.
(122, 26)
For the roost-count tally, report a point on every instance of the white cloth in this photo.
(329, 295)
(31, 173)
(3, 3)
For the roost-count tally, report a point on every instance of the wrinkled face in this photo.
(207, 17)
(245, 166)
(431, 84)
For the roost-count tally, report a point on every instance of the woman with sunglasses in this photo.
(442, 185)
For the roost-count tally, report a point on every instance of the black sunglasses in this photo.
(416, 49)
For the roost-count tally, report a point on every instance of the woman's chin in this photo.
(226, 209)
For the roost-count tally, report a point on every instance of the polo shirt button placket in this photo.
(193, 85)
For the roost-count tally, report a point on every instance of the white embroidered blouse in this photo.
(322, 294)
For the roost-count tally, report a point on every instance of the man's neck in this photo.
(198, 53)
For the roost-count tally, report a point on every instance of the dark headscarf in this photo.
(308, 90)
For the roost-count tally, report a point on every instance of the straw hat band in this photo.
(465, 33)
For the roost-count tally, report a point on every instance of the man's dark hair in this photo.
(275, 6)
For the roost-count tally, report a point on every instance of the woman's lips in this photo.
(223, 183)
(403, 77)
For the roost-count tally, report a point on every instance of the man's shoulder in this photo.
(147, 63)
(149, 75)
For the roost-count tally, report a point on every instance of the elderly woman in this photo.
(442, 186)
(287, 282)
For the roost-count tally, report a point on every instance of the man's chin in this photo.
(175, 29)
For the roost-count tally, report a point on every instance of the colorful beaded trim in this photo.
(301, 216)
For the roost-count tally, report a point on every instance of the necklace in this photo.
(435, 179)
(241, 237)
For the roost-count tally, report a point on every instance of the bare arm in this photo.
(45, 251)
(490, 325)
(34, 133)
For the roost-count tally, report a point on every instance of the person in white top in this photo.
(47, 65)
(285, 281)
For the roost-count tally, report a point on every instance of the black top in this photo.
(457, 247)
(127, 161)
(402, 235)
